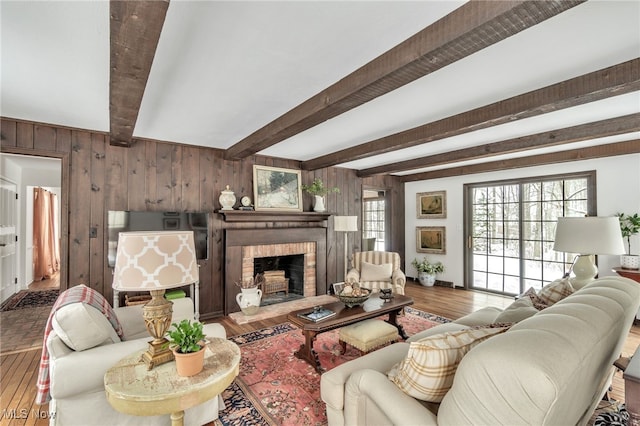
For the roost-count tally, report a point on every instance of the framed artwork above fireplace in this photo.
(276, 189)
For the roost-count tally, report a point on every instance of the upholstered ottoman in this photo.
(367, 335)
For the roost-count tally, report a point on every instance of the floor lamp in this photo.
(155, 261)
(587, 236)
(345, 224)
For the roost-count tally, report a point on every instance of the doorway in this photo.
(29, 172)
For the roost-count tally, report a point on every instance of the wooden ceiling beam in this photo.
(612, 81)
(598, 129)
(468, 29)
(599, 151)
(135, 28)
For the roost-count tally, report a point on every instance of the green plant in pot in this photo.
(319, 191)
(186, 340)
(427, 271)
(629, 226)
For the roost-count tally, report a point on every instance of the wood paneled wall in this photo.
(161, 176)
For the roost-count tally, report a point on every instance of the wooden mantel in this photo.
(272, 216)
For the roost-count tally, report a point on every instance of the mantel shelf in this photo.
(272, 216)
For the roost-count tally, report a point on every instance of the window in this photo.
(373, 222)
(512, 229)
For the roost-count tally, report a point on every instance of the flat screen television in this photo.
(123, 221)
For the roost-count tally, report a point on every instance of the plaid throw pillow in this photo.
(555, 291)
(427, 371)
(538, 303)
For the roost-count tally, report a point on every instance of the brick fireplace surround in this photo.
(308, 249)
(242, 246)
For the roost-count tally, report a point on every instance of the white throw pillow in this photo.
(81, 326)
(427, 371)
(517, 311)
(371, 272)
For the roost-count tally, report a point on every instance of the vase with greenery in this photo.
(186, 340)
(427, 271)
(319, 191)
(629, 226)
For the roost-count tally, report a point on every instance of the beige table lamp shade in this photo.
(155, 260)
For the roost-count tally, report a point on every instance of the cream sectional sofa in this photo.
(549, 369)
(77, 377)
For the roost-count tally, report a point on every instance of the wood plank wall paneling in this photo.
(160, 176)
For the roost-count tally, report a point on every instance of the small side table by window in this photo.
(633, 274)
(132, 389)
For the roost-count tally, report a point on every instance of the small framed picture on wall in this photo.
(431, 205)
(431, 239)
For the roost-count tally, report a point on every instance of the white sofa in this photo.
(549, 369)
(77, 377)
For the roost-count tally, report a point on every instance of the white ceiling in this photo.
(224, 69)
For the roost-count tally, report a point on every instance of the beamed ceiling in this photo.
(419, 89)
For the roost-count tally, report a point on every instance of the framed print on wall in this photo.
(276, 189)
(432, 205)
(431, 239)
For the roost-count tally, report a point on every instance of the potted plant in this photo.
(250, 295)
(186, 340)
(319, 191)
(629, 225)
(427, 271)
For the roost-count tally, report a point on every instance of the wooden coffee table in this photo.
(372, 308)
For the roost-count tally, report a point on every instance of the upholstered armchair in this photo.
(376, 270)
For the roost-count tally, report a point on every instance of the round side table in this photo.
(132, 389)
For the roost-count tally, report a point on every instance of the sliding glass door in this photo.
(511, 229)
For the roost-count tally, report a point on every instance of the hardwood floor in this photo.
(48, 284)
(18, 371)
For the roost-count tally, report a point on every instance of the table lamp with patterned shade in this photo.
(155, 261)
(587, 236)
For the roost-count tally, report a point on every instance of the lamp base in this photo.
(585, 271)
(157, 318)
(158, 353)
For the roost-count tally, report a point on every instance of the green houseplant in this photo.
(427, 271)
(186, 340)
(319, 191)
(629, 226)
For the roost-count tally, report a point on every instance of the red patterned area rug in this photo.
(276, 388)
(30, 299)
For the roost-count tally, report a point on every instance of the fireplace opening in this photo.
(284, 278)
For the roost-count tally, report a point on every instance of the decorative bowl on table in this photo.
(354, 299)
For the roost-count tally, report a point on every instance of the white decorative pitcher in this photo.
(318, 205)
(249, 300)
